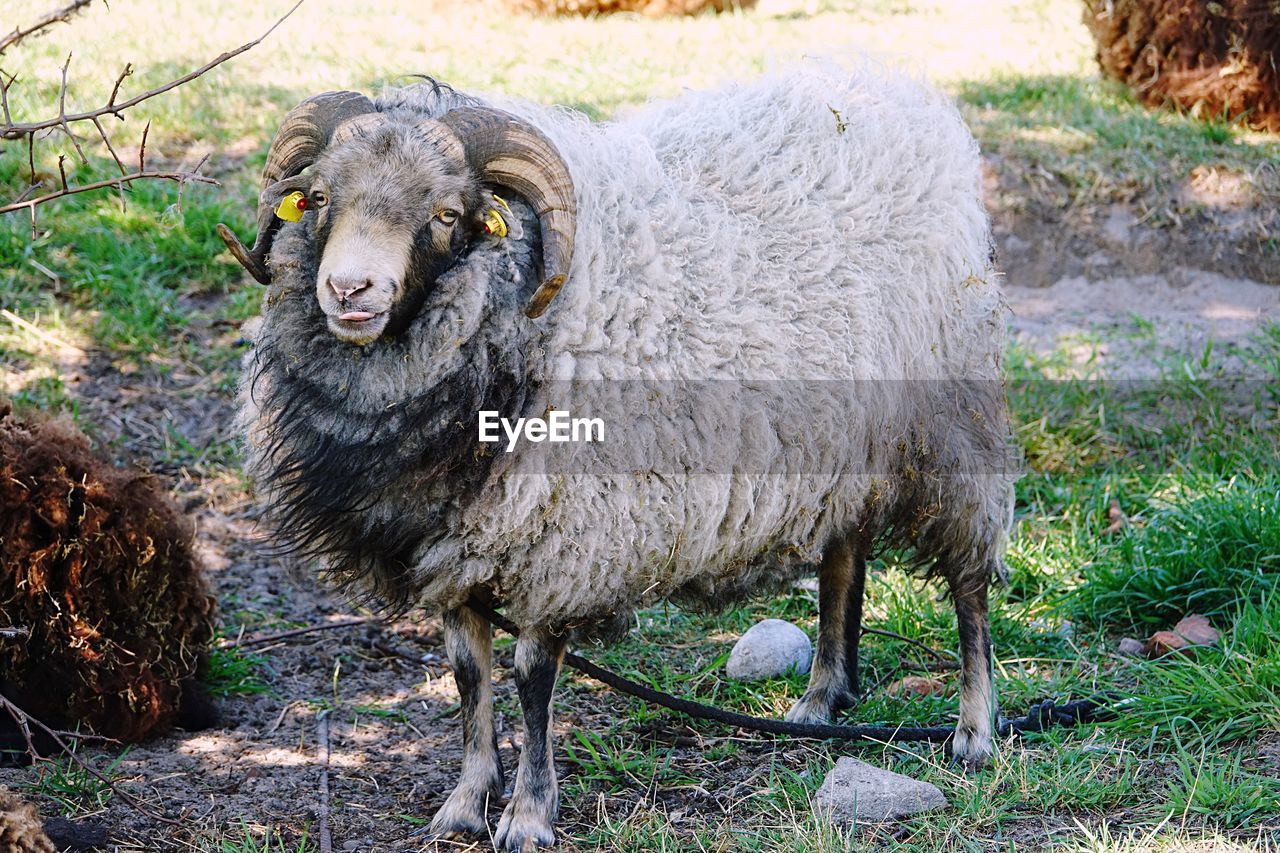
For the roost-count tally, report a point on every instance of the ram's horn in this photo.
(510, 152)
(305, 132)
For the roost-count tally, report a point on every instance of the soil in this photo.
(394, 735)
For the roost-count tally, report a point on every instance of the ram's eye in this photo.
(448, 217)
(319, 199)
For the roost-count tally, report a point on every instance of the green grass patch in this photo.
(71, 786)
(235, 672)
(1201, 552)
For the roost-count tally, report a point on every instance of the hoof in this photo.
(461, 816)
(521, 832)
(817, 708)
(971, 751)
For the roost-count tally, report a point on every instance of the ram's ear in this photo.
(272, 195)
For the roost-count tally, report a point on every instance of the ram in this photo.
(778, 298)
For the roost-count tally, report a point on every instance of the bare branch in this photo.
(325, 836)
(16, 631)
(14, 131)
(296, 632)
(57, 16)
(180, 177)
(63, 121)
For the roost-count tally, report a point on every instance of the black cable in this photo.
(1041, 716)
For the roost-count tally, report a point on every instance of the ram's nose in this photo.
(345, 288)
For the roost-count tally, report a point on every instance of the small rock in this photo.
(1129, 647)
(857, 791)
(769, 649)
(916, 685)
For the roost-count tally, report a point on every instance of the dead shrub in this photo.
(97, 563)
(1218, 59)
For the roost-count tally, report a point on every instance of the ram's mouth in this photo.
(358, 327)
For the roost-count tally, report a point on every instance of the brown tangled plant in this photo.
(1216, 59)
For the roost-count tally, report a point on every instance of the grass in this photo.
(234, 672)
(1188, 457)
(265, 841)
(74, 789)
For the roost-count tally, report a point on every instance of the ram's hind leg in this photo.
(528, 821)
(469, 641)
(973, 745)
(833, 683)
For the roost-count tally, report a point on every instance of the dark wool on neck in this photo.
(369, 449)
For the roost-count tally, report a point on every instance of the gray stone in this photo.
(1129, 647)
(857, 791)
(769, 649)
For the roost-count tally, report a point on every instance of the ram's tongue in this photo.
(355, 316)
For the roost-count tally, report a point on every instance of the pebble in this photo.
(1129, 647)
(855, 791)
(769, 649)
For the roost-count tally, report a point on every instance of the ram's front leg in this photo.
(527, 822)
(469, 641)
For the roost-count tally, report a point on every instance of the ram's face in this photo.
(393, 199)
(391, 214)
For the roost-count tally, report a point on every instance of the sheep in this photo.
(97, 565)
(779, 296)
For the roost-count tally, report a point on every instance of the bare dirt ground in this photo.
(394, 734)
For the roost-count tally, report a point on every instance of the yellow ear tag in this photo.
(290, 207)
(493, 222)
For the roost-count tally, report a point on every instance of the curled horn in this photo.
(510, 152)
(305, 132)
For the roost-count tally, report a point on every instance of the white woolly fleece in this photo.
(817, 224)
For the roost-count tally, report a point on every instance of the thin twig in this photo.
(15, 631)
(296, 632)
(387, 648)
(58, 16)
(24, 721)
(890, 634)
(180, 177)
(62, 112)
(106, 140)
(928, 666)
(4, 95)
(322, 737)
(15, 131)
